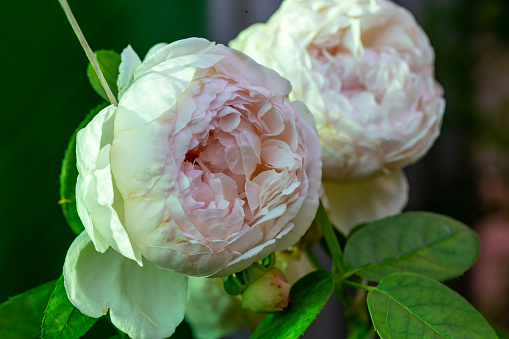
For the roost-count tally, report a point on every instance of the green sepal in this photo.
(61, 319)
(109, 62)
(69, 175)
(21, 315)
(236, 283)
(419, 242)
(308, 297)
(409, 305)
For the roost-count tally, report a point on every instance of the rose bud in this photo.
(203, 168)
(365, 69)
(214, 314)
(269, 293)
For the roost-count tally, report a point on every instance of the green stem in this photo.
(88, 51)
(331, 240)
(314, 260)
(345, 299)
(357, 285)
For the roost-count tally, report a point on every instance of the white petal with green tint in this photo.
(99, 204)
(144, 302)
(128, 65)
(357, 202)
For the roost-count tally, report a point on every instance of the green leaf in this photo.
(61, 318)
(408, 305)
(426, 243)
(108, 61)
(21, 316)
(331, 240)
(501, 333)
(69, 175)
(308, 296)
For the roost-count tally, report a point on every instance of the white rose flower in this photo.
(203, 168)
(365, 70)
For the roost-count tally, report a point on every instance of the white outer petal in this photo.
(191, 46)
(130, 62)
(150, 96)
(154, 49)
(95, 191)
(364, 201)
(90, 140)
(145, 302)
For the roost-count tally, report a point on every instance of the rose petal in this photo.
(95, 197)
(128, 65)
(144, 302)
(358, 202)
(100, 206)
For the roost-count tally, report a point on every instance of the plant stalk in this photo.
(88, 51)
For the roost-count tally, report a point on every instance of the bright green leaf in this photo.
(108, 61)
(426, 243)
(21, 316)
(69, 175)
(61, 319)
(408, 305)
(308, 296)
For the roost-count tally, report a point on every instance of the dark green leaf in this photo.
(61, 319)
(21, 316)
(69, 175)
(426, 243)
(108, 61)
(308, 296)
(408, 305)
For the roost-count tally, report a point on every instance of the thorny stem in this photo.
(88, 51)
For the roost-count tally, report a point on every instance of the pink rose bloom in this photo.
(365, 70)
(203, 168)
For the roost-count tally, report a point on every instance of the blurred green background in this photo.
(45, 94)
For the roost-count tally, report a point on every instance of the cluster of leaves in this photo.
(408, 255)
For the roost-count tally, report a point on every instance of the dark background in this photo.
(45, 94)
